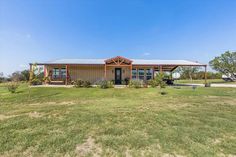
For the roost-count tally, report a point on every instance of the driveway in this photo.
(212, 85)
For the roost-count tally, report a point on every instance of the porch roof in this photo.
(135, 62)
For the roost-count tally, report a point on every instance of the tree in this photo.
(1, 77)
(25, 74)
(16, 76)
(226, 64)
(187, 72)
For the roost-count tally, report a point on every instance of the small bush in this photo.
(163, 92)
(12, 86)
(159, 80)
(103, 84)
(152, 83)
(126, 81)
(35, 81)
(110, 84)
(162, 85)
(86, 84)
(136, 83)
(78, 83)
(46, 79)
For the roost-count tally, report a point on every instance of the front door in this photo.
(118, 76)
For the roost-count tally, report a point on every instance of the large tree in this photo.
(226, 64)
(187, 72)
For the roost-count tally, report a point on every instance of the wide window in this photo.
(141, 74)
(134, 74)
(148, 74)
(58, 73)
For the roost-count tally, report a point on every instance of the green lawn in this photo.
(215, 81)
(118, 122)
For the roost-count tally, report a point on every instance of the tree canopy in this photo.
(226, 64)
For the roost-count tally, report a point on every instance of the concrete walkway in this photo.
(123, 86)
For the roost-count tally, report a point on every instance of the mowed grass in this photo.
(118, 122)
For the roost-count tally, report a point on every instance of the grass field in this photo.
(215, 81)
(118, 122)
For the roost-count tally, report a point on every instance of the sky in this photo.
(44, 30)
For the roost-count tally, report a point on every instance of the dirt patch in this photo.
(171, 155)
(88, 148)
(216, 141)
(53, 103)
(127, 153)
(35, 114)
(3, 117)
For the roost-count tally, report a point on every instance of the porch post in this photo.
(205, 74)
(44, 73)
(66, 74)
(131, 71)
(105, 75)
(44, 68)
(137, 75)
(153, 72)
(160, 69)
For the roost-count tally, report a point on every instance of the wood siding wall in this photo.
(90, 73)
(93, 73)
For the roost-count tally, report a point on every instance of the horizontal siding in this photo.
(86, 73)
(94, 73)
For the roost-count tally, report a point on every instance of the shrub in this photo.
(136, 83)
(46, 80)
(126, 81)
(152, 83)
(159, 80)
(12, 86)
(78, 83)
(110, 84)
(86, 84)
(103, 84)
(162, 84)
(163, 92)
(35, 81)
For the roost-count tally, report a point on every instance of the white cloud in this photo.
(146, 54)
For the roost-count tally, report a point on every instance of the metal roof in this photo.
(135, 62)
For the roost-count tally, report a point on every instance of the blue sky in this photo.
(46, 30)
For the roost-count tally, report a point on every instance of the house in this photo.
(116, 69)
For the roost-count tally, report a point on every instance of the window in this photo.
(63, 73)
(148, 74)
(141, 74)
(134, 74)
(59, 73)
(55, 73)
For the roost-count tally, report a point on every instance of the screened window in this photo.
(63, 73)
(134, 74)
(55, 73)
(148, 74)
(141, 74)
(58, 73)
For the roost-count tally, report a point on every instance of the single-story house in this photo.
(116, 69)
